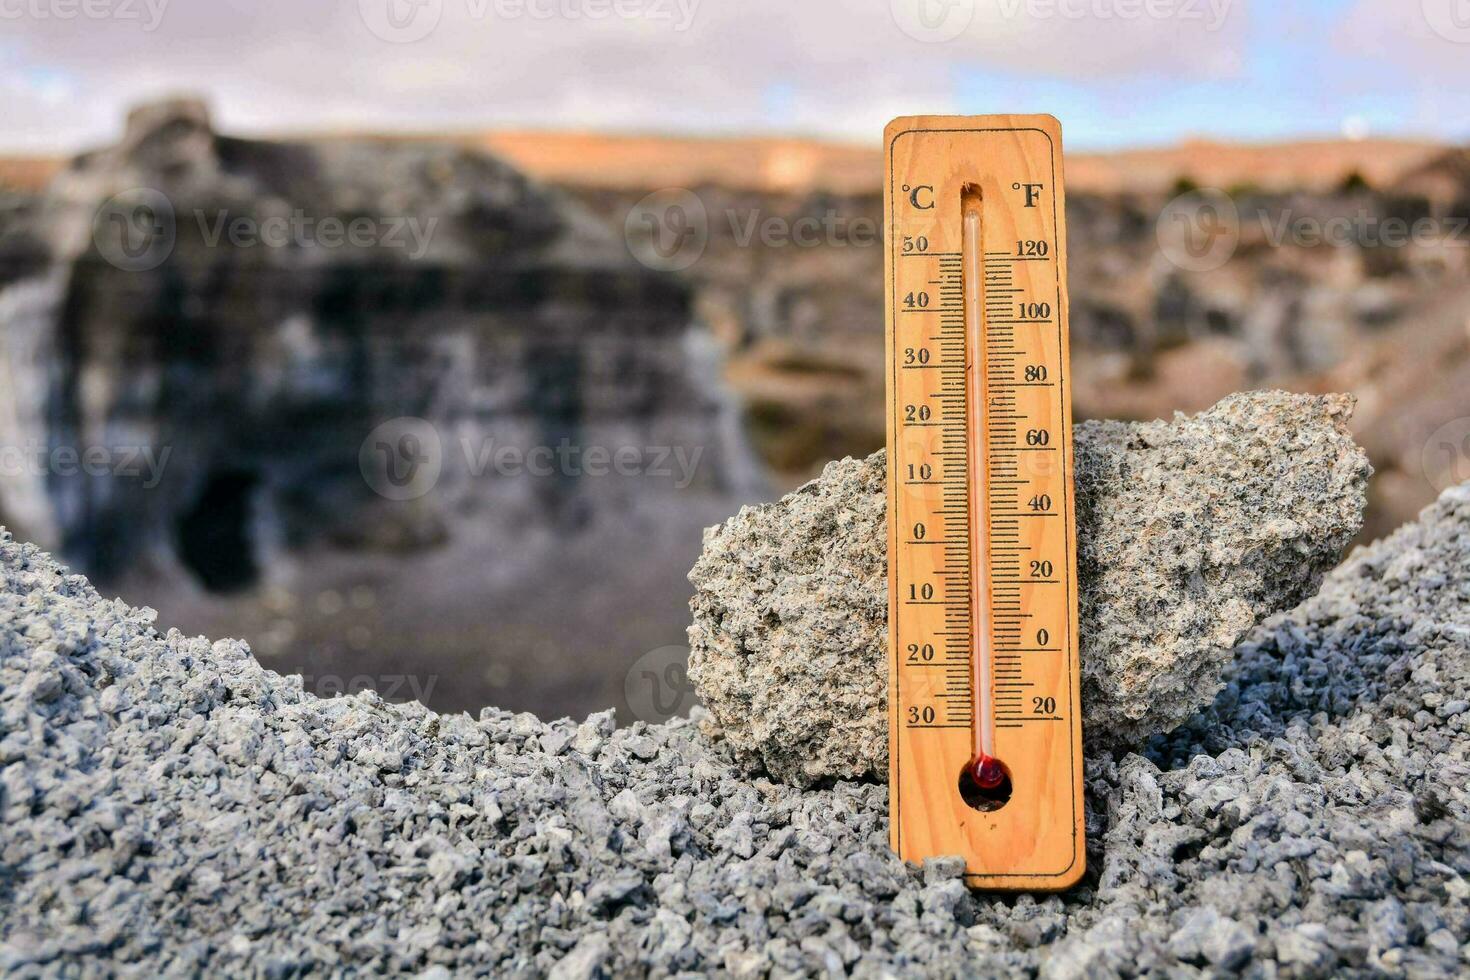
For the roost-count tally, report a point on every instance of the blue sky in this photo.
(1117, 72)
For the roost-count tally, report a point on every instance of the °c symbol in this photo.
(914, 193)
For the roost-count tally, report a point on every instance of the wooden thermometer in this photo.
(985, 732)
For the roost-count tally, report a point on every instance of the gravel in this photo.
(1189, 533)
(171, 808)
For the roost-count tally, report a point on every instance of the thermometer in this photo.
(984, 721)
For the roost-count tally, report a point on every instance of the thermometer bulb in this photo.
(985, 783)
(989, 773)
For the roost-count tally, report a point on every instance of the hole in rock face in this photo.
(985, 784)
(214, 535)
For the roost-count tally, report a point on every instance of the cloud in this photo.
(643, 64)
(1418, 48)
(1414, 36)
(1126, 69)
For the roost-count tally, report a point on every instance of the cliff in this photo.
(239, 370)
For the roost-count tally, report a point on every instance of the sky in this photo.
(1116, 72)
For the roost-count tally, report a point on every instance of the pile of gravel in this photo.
(170, 807)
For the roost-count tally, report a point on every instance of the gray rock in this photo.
(1190, 532)
(788, 646)
(584, 961)
(1319, 809)
(1203, 932)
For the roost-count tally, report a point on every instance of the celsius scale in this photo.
(985, 732)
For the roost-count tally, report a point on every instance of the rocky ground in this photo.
(170, 807)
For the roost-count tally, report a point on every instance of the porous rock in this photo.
(1190, 531)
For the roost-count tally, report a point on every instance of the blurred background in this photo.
(415, 341)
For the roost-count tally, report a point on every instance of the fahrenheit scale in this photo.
(985, 729)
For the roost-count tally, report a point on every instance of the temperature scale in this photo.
(985, 731)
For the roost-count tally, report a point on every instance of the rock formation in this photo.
(1151, 333)
(300, 364)
(259, 307)
(1190, 532)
